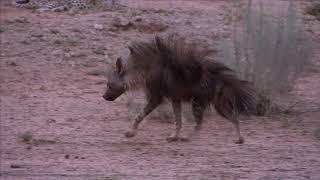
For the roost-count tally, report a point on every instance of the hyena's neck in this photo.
(135, 79)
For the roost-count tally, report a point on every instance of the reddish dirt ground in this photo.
(52, 81)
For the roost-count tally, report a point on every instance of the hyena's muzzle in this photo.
(113, 93)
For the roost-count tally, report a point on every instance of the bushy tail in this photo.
(235, 97)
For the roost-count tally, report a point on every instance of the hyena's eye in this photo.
(109, 86)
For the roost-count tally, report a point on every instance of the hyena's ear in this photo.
(119, 66)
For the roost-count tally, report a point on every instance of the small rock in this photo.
(41, 10)
(100, 50)
(111, 33)
(60, 9)
(109, 2)
(26, 137)
(57, 53)
(73, 12)
(66, 50)
(113, 29)
(177, 21)
(54, 31)
(309, 18)
(100, 82)
(122, 23)
(152, 27)
(16, 166)
(225, 34)
(137, 18)
(98, 26)
(71, 119)
(68, 55)
(317, 134)
(38, 87)
(72, 41)
(188, 22)
(51, 120)
(37, 35)
(57, 41)
(12, 64)
(78, 54)
(67, 156)
(43, 141)
(96, 72)
(25, 41)
(21, 20)
(76, 30)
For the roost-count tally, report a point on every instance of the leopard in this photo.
(63, 5)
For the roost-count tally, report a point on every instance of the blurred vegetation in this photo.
(314, 10)
(270, 51)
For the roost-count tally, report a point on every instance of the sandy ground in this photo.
(52, 81)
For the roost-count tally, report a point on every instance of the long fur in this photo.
(181, 71)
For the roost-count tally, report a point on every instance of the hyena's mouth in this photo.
(108, 98)
(111, 96)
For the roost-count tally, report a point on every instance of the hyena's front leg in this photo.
(198, 107)
(176, 105)
(235, 121)
(152, 104)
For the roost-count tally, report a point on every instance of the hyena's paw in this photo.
(239, 141)
(177, 139)
(130, 134)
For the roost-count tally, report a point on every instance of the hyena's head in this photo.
(116, 84)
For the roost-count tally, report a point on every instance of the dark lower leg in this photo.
(198, 110)
(147, 110)
(240, 139)
(176, 105)
(177, 113)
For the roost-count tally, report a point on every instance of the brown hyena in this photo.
(167, 67)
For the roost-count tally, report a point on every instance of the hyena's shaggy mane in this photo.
(190, 73)
(170, 51)
(185, 61)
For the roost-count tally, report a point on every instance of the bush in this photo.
(269, 51)
(314, 10)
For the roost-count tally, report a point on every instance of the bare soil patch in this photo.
(55, 124)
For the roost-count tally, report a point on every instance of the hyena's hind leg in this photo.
(233, 117)
(235, 121)
(176, 105)
(151, 105)
(198, 108)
